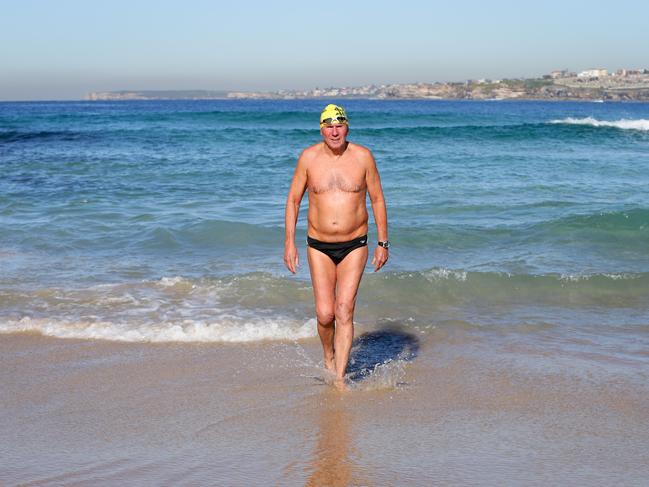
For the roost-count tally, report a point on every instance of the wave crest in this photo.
(226, 330)
(624, 124)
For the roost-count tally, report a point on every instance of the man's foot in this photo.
(340, 384)
(330, 365)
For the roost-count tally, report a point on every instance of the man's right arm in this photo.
(295, 194)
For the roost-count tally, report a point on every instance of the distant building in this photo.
(593, 73)
(628, 72)
(558, 73)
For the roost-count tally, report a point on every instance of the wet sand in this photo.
(455, 411)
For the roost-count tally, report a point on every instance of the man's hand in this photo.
(380, 257)
(291, 258)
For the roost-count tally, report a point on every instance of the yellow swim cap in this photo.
(333, 114)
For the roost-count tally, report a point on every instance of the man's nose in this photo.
(334, 130)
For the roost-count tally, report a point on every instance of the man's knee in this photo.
(325, 315)
(344, 312)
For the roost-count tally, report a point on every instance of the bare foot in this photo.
(341, 385)
(330, 365)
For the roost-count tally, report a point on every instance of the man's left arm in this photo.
(375, 192)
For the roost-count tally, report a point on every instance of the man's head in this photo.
(334, 126)
(333, 114)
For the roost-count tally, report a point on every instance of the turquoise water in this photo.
(164, 220)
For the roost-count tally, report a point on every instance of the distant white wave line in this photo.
(187, 331)
(639, 124)
(586, 277)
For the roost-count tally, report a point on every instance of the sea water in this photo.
(159, 221)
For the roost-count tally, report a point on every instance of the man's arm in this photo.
(380, 212)
(295, 194)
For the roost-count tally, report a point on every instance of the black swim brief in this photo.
(337, 251)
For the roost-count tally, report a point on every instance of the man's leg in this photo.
(323, 277)
(348, 277)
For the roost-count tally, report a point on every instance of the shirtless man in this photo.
(338, 175)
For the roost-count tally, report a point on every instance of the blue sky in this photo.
(67, 48)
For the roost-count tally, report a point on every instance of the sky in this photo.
(68, 48)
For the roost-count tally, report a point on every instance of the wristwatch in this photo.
(385, 244)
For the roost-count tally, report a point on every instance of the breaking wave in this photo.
(261, 306)
(232, 330)
(639, 124)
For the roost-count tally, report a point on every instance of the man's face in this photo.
(335, 135)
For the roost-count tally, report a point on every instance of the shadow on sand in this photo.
(376, 348)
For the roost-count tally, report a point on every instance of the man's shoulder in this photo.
(361, 151)
(311, 152)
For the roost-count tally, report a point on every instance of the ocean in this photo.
(520, 241)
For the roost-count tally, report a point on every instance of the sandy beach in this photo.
(80, 412)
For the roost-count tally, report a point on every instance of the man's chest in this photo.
(341, 177)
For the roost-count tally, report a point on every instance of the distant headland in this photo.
(592, 84)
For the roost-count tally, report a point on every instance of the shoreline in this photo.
(260, 414)
(622, 87)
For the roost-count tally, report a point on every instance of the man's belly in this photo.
(337, 222)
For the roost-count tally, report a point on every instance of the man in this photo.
(338, 175)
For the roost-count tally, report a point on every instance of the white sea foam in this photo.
(172, 281)
(587, 277)
(574, 277)
(438, 274)
(639, 124)
(227, 329)
(388, 375)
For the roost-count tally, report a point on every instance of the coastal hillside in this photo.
(624, 85)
